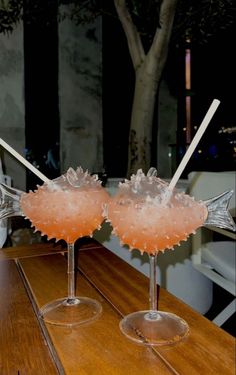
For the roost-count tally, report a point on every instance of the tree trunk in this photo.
(140, 136)
(148, 69)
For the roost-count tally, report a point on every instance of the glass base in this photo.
(154, 328)
(71, 311)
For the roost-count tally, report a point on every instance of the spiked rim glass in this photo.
(70, 310)
(139, 213)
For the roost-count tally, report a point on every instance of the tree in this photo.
(149, 27)
(148, 68)
(189, 21)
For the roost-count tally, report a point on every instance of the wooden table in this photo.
(31, 276)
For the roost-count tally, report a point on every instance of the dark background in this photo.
(213, 76)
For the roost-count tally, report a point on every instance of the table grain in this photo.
(99, 347)
(23, 349)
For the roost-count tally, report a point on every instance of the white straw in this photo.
(23, 161)
(194, 143)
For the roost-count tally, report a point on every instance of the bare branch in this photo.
(133, 38)
(161, 38)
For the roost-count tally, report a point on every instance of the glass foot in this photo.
(154, 328)
(71, 312)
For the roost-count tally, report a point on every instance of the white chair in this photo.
(215, 259)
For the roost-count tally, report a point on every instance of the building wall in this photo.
(80, 98)
(80, 102)
(80, 95)
(12, 116)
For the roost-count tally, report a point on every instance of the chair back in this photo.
(205, 185)
(215, 258)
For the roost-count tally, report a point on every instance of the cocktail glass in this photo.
(147, 215)
(69, 207)
(154, 327)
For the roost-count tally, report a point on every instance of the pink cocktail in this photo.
(68, 213)
(149, 216)
(67, 208)
(154, 221)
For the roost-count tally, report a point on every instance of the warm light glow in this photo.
(228, 130)
(188, 98)
(187, 69)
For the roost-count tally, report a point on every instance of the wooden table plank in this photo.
(207, 350)
(23, 350)
(44, 248)
(95, 348)
(30, 250)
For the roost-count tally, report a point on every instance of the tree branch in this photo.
(135, 45)
(161, 38)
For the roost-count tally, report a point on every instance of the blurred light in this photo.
(229, 130)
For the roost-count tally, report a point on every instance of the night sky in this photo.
(214, 73)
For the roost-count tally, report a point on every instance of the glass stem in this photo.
(153, 283)
(71, 271)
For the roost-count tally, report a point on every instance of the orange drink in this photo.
(65, 211)
(146, 215)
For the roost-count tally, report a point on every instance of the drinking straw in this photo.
(23, 161)
(213, 107)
